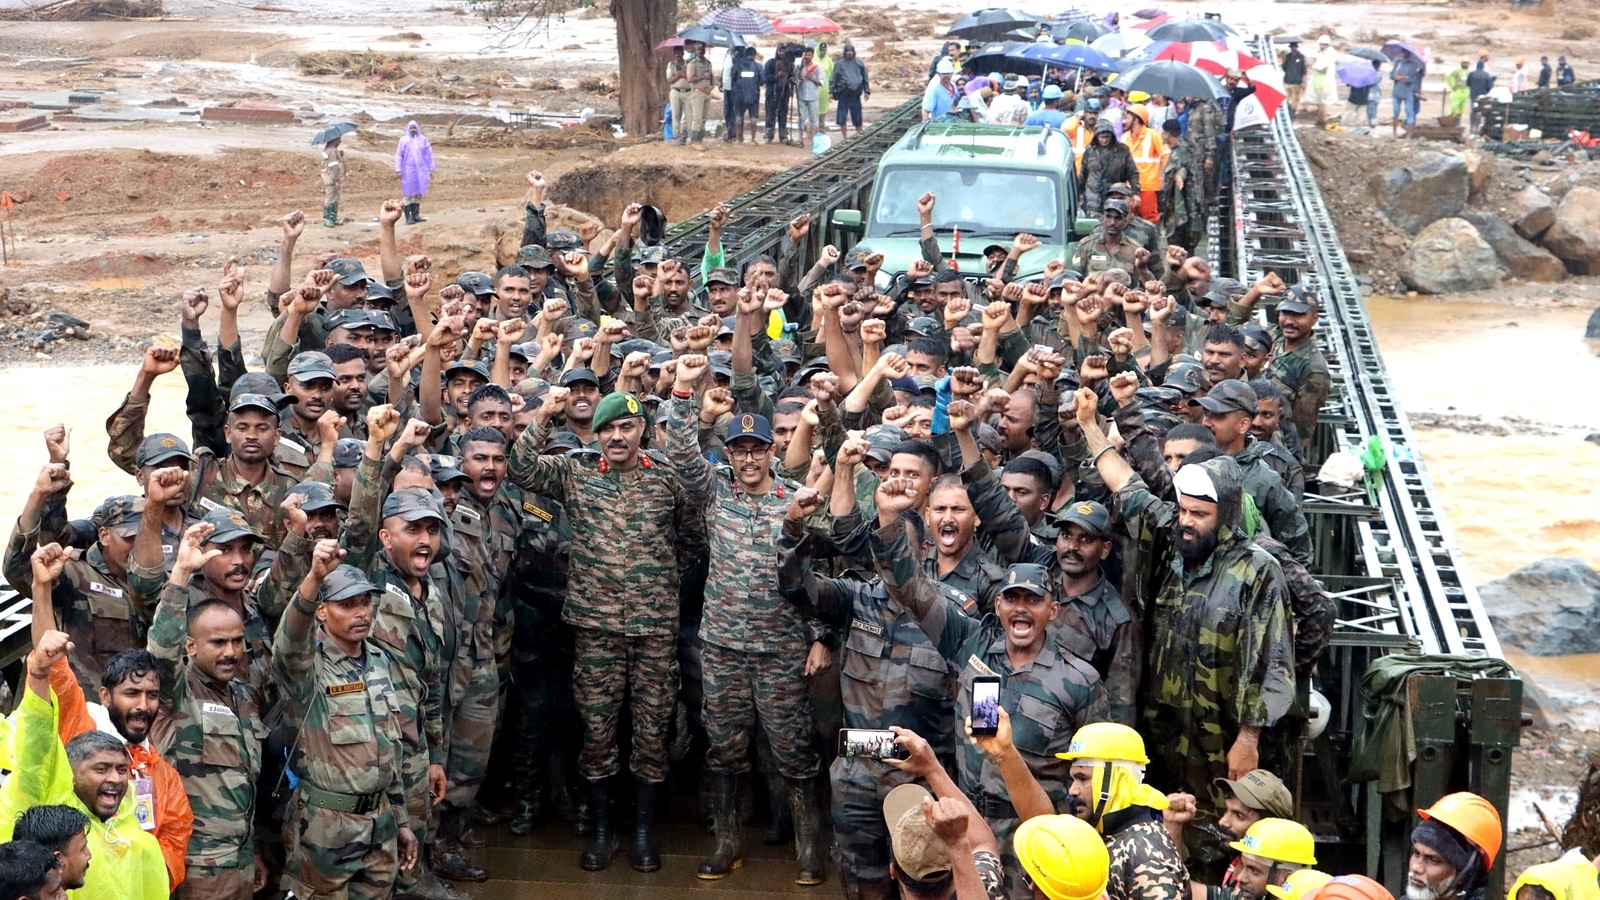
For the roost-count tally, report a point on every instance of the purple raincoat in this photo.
(413, 159)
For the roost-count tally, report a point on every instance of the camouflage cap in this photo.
(924, 325)
(786, 351)
(882, 439)
(1030, 577)
(476, 284)
(725, 329)
(344, 583)
(856, 259)
(1223, 291)
(1120, 207)
(720, 362)
(315, 495)
(1187, 377)
(534, 256)
(311, 365)
(723, 275)
(348, 271)
(563, 441)
(661, 357)
(1121, 189)
(652, 256)
(563, 241)
(1229, 395)
(476, 366)
(158, 448)
(347, 453)
(614, 406)
(255, 383)
(1297, 300)
(271, 405)
(445, 468)
(621, 349)
(989, 438)
(1086, 514)
(1255, 337)
(228, 525)
(412, 505)
(120, 514)
(749, 425)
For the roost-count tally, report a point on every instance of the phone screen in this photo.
(985, 705)
(869, 743)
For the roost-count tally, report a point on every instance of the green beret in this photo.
(614, 406)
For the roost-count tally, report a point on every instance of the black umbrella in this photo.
(993, 56)
(1088, 32)
(1369, 53)
(336, 130)
(1171, 79)
(1188, 31)
(992, 23)
(711, 36)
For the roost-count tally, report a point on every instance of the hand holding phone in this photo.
(985, 705)
(870, 743)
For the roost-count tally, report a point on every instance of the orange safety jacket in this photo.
(1080, 135)
(1149, 156)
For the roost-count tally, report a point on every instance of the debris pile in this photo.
(85, 11)
(354, 64)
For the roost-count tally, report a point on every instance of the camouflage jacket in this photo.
(125, 430)
(1280, 460)
(485, 543)
(544, 547)
(1277, 505)
(625, 530)
(1145, 865)
(1048, 699)
(407, 626)
(1096, 626)
(257, 637)
(349, 739)
(218, 484)
(1311, 611)
(743, 609)
(1095, 254)
(890, 673)
(1220, 654)
(1303, 375)
(213, 738)
(102, 613)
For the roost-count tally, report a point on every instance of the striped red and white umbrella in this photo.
(1260, 107)
(1215, 57)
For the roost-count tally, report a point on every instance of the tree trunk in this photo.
(641, 24)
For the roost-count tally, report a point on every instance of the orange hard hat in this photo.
(1474, 818)
(1351, 887)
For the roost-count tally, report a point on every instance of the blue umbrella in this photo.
(1357, 74)
(1079, 55)
(336, 130)
(1397, 49)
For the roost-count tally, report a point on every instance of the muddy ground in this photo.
(121, 211)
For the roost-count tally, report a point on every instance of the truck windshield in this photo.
(988, 202)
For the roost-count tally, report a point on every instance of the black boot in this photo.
(725, 822)
(807, 814)
(602, 842)
(449, 861)
(416, 213)
(776, 831)
(555, 766)
(643, 855)
(526, 782)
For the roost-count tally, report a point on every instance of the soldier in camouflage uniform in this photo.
(1297, 365)
(486, 525)
(1094, 624)
(348, 830)
(628, 512)
(1049, 691)
(1221, 660)
(1109, 247)
(754, 646)
(213, 734)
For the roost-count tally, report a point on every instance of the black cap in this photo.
(377, 290)
(563, 241)
(581, 373)
(1030, 577)
(445, 468)
(343, 583)
(349, 271)
(1186, 376)
(255, 383)
(653, 255)
(1255, 337)
(1086, 514)
(347, 453)
(749, 425)
(272, 405)
(476, 366)
(1230, 395)
(476, 283)
(317, 494)
(159, 448)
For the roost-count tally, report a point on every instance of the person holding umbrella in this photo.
(332, 181)
(1407, 92)
(413, 159)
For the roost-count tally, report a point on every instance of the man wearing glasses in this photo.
(754, 645)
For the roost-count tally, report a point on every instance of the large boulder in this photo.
(1432, 188)
(1592, 331)
(1448, 256)
(1546, 609)
(1522, 259)
(1531, 212)
(1575, 236)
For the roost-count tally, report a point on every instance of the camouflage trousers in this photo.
(1182, 760)
(860, 836)
(419, 807)
(217, 883)
(607, 667)
(340, 856)
(744, 690)
(472, 722)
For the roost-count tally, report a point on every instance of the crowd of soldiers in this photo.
(403, 583)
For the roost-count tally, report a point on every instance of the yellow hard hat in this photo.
(1571, 877)
(1137, 96)
(1279, 840)
(1300, 884)
(1106, 740)
(1064, 856)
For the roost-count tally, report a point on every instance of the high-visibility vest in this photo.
(1149, 157)
(1080, 135)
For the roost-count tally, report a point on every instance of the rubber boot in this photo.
(449, 861)
(416, 213)
(776, 832)
(725, 823)
(602, 842)
(330, 214)
(803, 805)
(555, 766)
(643, 854)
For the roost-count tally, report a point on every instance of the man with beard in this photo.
(1269, 852)
(349, 398)
(754, 646)
(627, 514)
(348, 828)
(1246, 800)
(1221, 663)
(1094, 624)
(63, 831)
(1453, 848)
(1108, 791)
(582, 393)
(130, 697)
(1264, 433)
(1230, 407)
(1059, 691)
(224, 575)
(485, 527)
(210, 728)
(90, 774)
